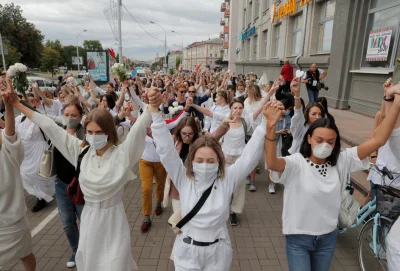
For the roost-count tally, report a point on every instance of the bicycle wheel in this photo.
(366, 257)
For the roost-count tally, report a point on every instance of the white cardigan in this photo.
(210, 222)
(12, 200)
(100, 183)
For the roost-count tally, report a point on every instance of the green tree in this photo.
(13, 55)
(177, 61)
(20, 34)
(69, 52)
(50, 59)
(92, 45)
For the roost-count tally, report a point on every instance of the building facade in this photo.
(356, 42)
(203, 53)
(229, 34)
(172, 56)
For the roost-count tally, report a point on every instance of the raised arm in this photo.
(93, 96)
(207, 112)
(135, 99)
(46, 101)
(295, 88)
(273, 112)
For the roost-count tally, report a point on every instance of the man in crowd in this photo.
(312, 78)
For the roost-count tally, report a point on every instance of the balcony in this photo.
(226, 29)
(227, 13)
(226, 45)
(222, 22)
(223, 7)
(221, 35)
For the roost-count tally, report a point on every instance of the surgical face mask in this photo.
(127, 98)
(322, 151)
(71, 123)
(205, 172)
(97, 141)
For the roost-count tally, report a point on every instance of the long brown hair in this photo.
(223, 94)
(104, 119)
(256, 93)
(187, 121)
(205, 141)
(308, 109)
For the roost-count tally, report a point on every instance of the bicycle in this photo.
(372, 237)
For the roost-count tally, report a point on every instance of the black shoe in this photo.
(234, 220)
(40, 204)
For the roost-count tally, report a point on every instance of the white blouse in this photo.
(209, 223)
(249, 108)
(101, 177)
(150, 154)
(311, 201)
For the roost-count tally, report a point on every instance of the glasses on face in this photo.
(191, 92)
(187, 135)
(182, 92)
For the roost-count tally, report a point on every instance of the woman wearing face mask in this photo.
(302, 121)
(204, 242)
(312, 179)
(105, 242)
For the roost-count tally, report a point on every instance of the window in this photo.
(243, 51)
(325, 26)
(265, 43)
(248, 49)
(211, 47)
(384, 20)
(216, 55)
(266, 4)
(296, 35)
(276, 41)
(244, 19)
(40, 83)
(249, 10)
(210, 55)
(255, 43)
(257, 9)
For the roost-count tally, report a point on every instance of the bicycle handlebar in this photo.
(384, 171)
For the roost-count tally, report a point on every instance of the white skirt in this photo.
(15, 241)
(105, 239)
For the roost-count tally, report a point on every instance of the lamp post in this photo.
(165, 45)
(173, 31)
(77, 49)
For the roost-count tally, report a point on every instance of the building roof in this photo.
(210, 41)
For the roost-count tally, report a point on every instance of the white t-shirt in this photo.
(249, 108)
(54, 110)
(311, 201)
(394, 143)
(150, 154)
(393, 247)
(386, 159)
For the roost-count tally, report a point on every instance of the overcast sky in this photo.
(195, 20)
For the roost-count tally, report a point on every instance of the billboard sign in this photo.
(75, 60)
(97, 66)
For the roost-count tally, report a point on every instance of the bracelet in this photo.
(388, 99)
(373, 156)
(270, 139)
(297, 98)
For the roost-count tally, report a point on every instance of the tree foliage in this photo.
(20, 34)
(178, 61)
(92, 45)
(50, 59)
(13, 55)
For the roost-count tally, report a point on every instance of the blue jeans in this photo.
(312, 95)
(373, 190)
(68, 213)
(309, 252)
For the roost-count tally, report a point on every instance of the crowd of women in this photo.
(200, 139)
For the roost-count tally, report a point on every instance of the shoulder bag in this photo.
(349, 207)
(73, 190)
(176, 222)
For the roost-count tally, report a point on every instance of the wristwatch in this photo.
(388, 99)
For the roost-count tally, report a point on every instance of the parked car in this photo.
(81, 74)
(141, 74)
(62, 69)
(43, 83)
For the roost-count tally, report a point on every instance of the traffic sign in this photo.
(5, 49)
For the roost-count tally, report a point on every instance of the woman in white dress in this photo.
(15, 236)
(204, 243)
(35, 143)
(105, 242)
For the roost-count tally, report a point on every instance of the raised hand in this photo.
(392, 90)
(273, 111)
(388, 84)
(35, 85)
(155, 99)
(295, 87)
(189, 102)
(10, 95)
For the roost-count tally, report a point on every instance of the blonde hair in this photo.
(256, 94)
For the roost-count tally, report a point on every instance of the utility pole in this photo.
(119, 31)
(2, 53)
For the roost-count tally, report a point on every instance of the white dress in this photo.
(34, 145)
(105, 242)
(15, 236)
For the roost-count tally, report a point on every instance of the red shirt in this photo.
(287, 72)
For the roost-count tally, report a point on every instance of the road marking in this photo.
(44, 222)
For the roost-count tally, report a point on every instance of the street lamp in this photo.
(77, 49)
(179, 35)
(165, 45)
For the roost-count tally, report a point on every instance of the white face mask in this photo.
(322, 151)
(127, 98)
(205, 172)
(97, 141)
(71, 123)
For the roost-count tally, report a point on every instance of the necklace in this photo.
(98, 161)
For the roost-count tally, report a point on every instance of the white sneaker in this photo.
(271, 188)
(252, 187)
(248, 182)
(71, 262)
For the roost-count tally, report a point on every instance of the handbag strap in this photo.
(78, 165)
(196, 208)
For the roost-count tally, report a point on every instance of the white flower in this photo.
(71, 81)
(171, 110)
(12, 71)
(178, 108)
(175, 104)
(20, 67)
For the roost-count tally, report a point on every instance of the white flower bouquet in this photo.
(119, 69)
(175, 108)
(17, 73)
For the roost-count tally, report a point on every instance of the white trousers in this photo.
(238, 197)
(176, 204)
(216, 257)
(393, 247)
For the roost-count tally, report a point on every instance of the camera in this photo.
(323, 86)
